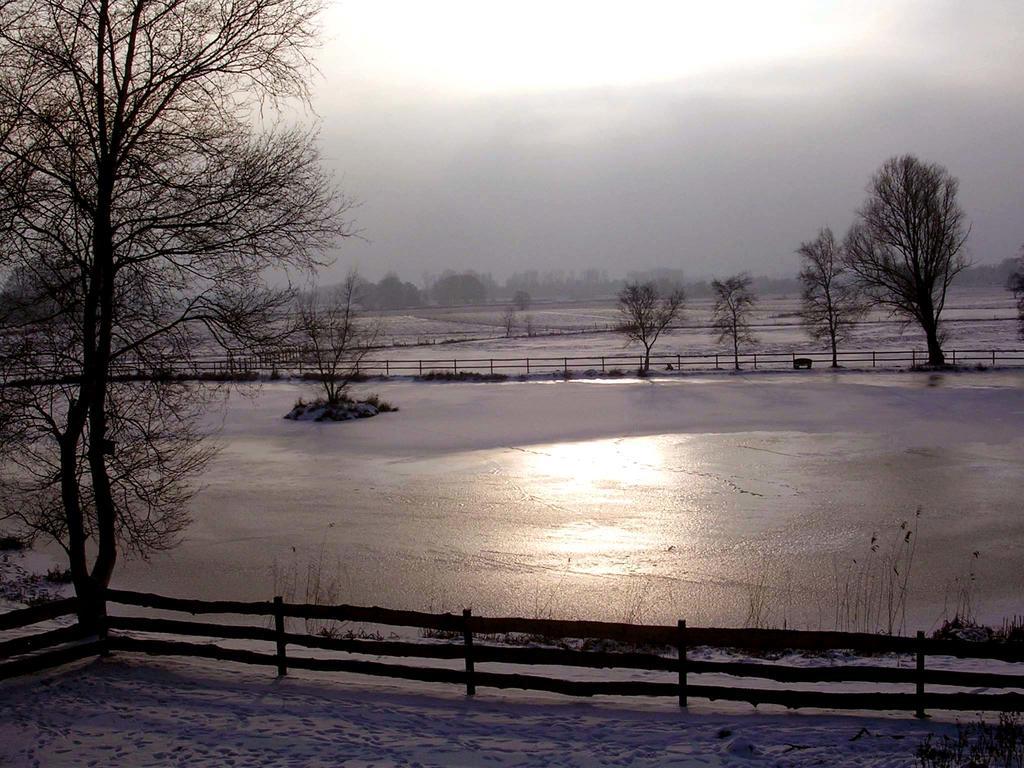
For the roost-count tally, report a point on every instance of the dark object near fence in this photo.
(802, 362)
(645, 646)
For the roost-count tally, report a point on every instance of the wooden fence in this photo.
(243, 364)
(25, 654)
(470, 641)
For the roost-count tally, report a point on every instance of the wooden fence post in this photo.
(467, 636)
(565, 366)
(102, 625)
(920, 674)
(602, 365)
(681, 645)
(282, 658)
(527, 366)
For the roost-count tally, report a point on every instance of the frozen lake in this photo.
(721, 499)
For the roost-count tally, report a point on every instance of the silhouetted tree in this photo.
(508, 321)
(908, 243)
(335, 334)
(831, 302)
(730, 315)
(392, 293)
(137, 193)
(645, 313)
(521, 300)
(464, 288)
(1015, 283)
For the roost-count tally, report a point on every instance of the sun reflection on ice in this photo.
(586, 467)
(591, 488)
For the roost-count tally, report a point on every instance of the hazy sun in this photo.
(476, 46)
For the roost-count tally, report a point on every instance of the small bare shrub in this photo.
(870, 593)
(59, 575)
(977, 745)
(11, 544)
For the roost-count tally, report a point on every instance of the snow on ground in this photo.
(978, 318)
(137, 711)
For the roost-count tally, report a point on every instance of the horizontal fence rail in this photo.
(26, 654)
(651, 648)
(468, 641)
(301, 362)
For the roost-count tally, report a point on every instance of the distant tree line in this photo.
(520, 289)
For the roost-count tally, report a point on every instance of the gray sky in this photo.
(712, 137)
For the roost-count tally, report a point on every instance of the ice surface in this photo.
(634, 500)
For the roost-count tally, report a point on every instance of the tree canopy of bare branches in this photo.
(1016, 284)
(730, 315)
(645, 313)
(908, 243)
(509, 318)
(336, 334)
(140, 205)
(831, 304)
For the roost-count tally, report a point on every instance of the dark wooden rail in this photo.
(26, 654)
(470, 639)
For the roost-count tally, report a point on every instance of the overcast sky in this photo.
(710, 136)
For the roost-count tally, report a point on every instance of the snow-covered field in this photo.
(974, 318)
(135, 711)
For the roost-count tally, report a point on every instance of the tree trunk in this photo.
(736, 349)
(935, 354)
(835, 354)
(647, 359)
(930, 325)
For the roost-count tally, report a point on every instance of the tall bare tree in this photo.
(645, 313)
(336, 334)
(141, 204)
(730, 315)
(508, 320)
(908, 243)
(831, 303)
(1015, 283)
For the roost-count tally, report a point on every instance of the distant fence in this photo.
(469, 640)
(300, 362)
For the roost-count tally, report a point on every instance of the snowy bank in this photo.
(147, 712)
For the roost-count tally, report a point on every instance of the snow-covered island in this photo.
(343, 410)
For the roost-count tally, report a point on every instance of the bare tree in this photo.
(508, 321)
(730, 315)
(646, 313)
(908, 244)
(141, 202)
(1015, 283)
(831, 302)
(521, 300)
(335, 334)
